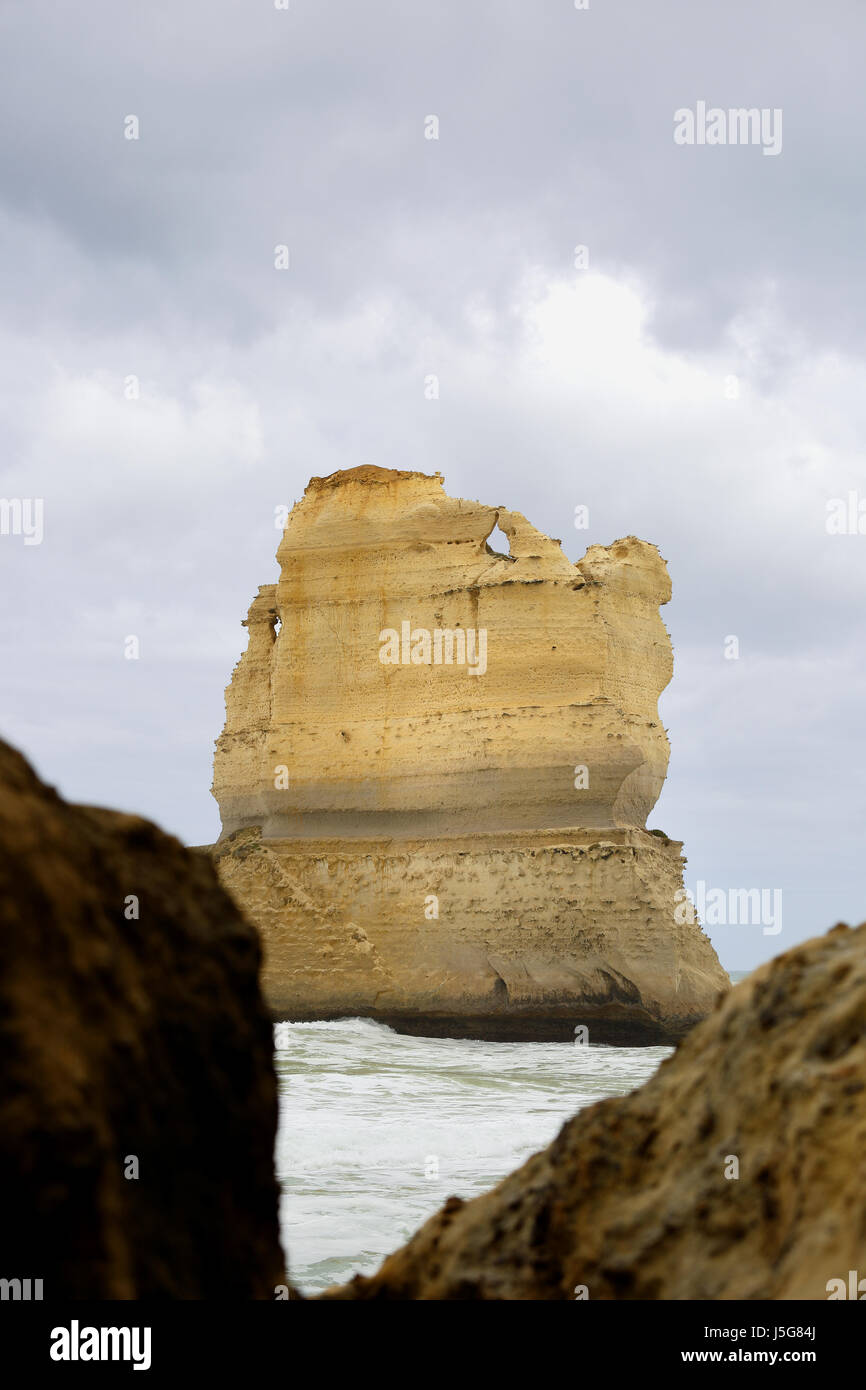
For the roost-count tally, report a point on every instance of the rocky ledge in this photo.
(736, 1172)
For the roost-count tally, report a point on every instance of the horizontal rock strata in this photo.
(534, 937)
(436, 770)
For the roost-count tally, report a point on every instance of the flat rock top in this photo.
(369, 473)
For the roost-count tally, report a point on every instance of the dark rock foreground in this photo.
(636, 1198)
(128, 1039)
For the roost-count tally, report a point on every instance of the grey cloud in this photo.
(410, 256)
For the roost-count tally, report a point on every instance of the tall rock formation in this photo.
(436, 769)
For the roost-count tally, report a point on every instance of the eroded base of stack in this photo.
(499, 936)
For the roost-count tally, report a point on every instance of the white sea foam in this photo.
(365, 1110)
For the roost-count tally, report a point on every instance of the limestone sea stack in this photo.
(436, 769)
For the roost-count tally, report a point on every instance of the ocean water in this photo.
(377, 1129)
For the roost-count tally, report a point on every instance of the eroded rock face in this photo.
(576, 657)
(436, 770)
(124, 1038)
(637, 1198)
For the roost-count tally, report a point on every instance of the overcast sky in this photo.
(607, 385)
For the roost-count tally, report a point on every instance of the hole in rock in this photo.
(498, 544)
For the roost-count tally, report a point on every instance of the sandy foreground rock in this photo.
(128, 1038)
(436, 769)
(635, 1198)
